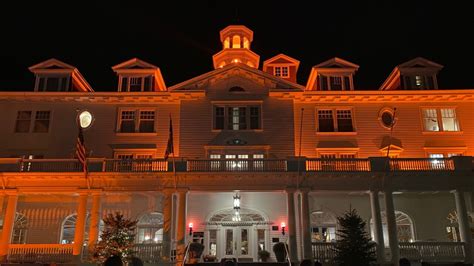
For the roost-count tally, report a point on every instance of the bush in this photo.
(263, 255)
(280, 251)
(195, 250)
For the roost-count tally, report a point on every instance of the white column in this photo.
(306, 226)
(392, 227)
(464, 228)
(167, 221)
(80, 224)
(8, 223)
(181, 226)
(378, 229)
(292, 225)
(95, 221)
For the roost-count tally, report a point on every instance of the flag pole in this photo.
(299, 152)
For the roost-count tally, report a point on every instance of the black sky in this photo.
(181, 38)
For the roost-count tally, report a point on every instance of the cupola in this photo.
(236, 41)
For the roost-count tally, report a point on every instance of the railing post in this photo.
(379, 164)
(463, 163)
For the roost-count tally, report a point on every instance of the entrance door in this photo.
(238, 243)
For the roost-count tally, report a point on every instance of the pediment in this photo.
(134, 63)
(420, 62)
(337, 63)
(53, 64)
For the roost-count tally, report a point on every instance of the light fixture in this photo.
(85, 119)
(319, 211)
(283, 226)
(190, 226)
(236, 202)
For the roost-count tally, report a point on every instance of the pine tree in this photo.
(354, 247)
(117, 238)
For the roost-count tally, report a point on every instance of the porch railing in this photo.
(421, 164)
(239, 165)
(432, 251)
(40, 253)
(414, 251)
(150, 253)
(338, 165)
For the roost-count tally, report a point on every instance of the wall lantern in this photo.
(190, 226)
(283, 226)
(85, 119)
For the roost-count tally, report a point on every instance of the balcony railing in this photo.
(338, 165)
(150, 253)
(421, 164)
(414, 251)
(238, 165)
(40, 253)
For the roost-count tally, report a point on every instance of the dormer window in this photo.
(53, 83)
(419, 80)
(137, 83)
(281, 71)
(334, 83)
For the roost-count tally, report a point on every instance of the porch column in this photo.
(8, 223)
(292, 225)
(167, 222)
(392, 227)
(464, 228)
(181, 226)
(306, 226)
(94, 222)
(378, 230)
(80, 224)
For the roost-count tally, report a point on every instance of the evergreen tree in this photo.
(117, 238)
(354, 247)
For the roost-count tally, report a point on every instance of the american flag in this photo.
(169, 147)
(81, 150)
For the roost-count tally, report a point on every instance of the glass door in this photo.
(237, 242)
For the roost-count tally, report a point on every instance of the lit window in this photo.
(418, 81)
(23, 121)
(443, 119)
(41, 124)
(136, 121)
(341, 122)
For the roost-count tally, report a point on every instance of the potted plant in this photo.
(209, 258)
(263, 255)
(195, 252)
(280, 251)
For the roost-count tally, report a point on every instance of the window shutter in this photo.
(219, 118)
(146, 86)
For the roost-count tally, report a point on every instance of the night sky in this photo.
(181, 38)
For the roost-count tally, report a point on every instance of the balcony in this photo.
(40, 253)
(238, 165)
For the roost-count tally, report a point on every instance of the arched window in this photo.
(246, 43)
(150, 228)
(323, 226)
(20, 229)
(68, 229)
(236, 41)
(227, 43)
(405, 229)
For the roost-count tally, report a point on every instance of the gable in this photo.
(337, 63)
(420, 62)
(51, 64)
(134, 63)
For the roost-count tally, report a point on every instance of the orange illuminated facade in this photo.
(259, 158)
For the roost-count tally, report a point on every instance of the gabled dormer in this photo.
(236, 41)
(282, 66)
(54, 75)
(137, 75)
(416, 74)
(334, 74)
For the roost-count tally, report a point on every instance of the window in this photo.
(418, 81)
(281, 71)
(137, 161)
(237, 117)
(20, 228)
(137, 83)
(341, 122)
(150, 228)
(41, 121)
(53, 83)
(336, 84)
(442, 119)
(136, 121)
(23, 121)
(405, 232)
(387, 118)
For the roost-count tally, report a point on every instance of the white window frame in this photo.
(129, 79)
(280, 70)
(137, 120)
(334, 120)
(248, 116)
(439, 120)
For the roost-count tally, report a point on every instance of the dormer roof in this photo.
(418, 64)
(280, 59)
(138, 66)
(55, 66)
(336, 62)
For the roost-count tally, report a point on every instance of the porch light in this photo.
(85, 119)
(190, 226)
(283, 226)
(236, 202)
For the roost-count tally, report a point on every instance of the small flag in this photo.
(169, 147)
(81, 150)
